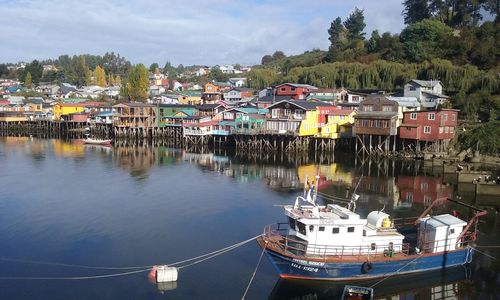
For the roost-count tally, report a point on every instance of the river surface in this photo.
(64, 205)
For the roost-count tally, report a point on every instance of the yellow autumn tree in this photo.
(100, 76)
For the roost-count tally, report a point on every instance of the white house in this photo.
(238, 81)
(429, 93)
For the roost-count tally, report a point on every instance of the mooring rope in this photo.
(333, 198)
(74, 278)
(197, 259)
(483, 253)
(254, 272)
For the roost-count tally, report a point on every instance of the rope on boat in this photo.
(393, 273)
(75, 278)
(483, 253)
(333, 198)
(197, 259)
(254, 272)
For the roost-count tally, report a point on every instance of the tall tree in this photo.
(36, 70)
(138, 83)
(28, 81)
(355, 24)
(337, 37)
(373, 42)
(266, 59)
(415, 11)
(80, 70)
(100, 76)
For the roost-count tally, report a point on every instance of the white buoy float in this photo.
(164, 273)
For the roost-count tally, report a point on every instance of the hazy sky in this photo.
(189, 31)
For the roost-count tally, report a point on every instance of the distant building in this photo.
(294, 90)
(429, 93)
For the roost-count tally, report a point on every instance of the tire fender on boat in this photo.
(366, 267)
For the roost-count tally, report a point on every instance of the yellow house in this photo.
(190, 97)
(309, 125)
(338, 122)
(61, 109)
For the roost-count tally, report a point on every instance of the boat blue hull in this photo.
(302, 269)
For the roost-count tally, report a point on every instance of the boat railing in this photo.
(277, 237)
(433, 246)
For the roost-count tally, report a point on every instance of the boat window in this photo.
(350, 229)
(311, 228)
(372, 246)
(321, 228)
(301, 227)
(391, 245)
(452, 231)
(335, 230)
(291, 222)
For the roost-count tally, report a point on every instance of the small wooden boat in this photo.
(92, 141)
(352, 292)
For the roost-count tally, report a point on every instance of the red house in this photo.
(294, 90)
(323, 111)
(421, 189)
(429, 126)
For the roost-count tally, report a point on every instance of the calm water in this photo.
(62, 202)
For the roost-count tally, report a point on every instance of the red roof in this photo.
(341, 112)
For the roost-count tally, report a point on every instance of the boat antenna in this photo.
(354, 197)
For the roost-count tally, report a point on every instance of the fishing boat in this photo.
(93, 141)
(332, 242)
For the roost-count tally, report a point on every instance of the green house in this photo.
(174, 110)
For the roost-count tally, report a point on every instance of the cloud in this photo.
(188, 32)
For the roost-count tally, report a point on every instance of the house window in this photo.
(432, 116)
(445, 117)
(355, 98)
(427, 200)
(453, 117)
(424, 186)
(283, 89)
(368, 108)
(409, 197)
(452, 231)
(321, 228)
(311, 228)
(292, 89)
(427, 129)
(446, 129)
(350, 229)
(452, 129)
(440, 129)
(335, 230)
(413, 116)
(386, 108)
(274, 113)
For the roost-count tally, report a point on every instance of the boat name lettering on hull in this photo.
(305, 268)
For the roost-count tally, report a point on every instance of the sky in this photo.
(204, 32)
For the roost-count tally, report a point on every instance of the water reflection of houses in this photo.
(421, 189)
(378, 190)
(138, 160)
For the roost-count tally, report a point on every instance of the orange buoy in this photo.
(152, 274)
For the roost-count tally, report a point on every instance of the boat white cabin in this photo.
(335, 230)
(439, 233)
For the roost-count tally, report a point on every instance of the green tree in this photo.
(415, 11)
(337, 37)
(36, 70)
(89, 76)
(355, 24)
(4, 70)
(422, 39)
(373, 42)
(266, 59)
(278, 55)
(28, 81)
(153, 67)
(217, 75)
(138, 83)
